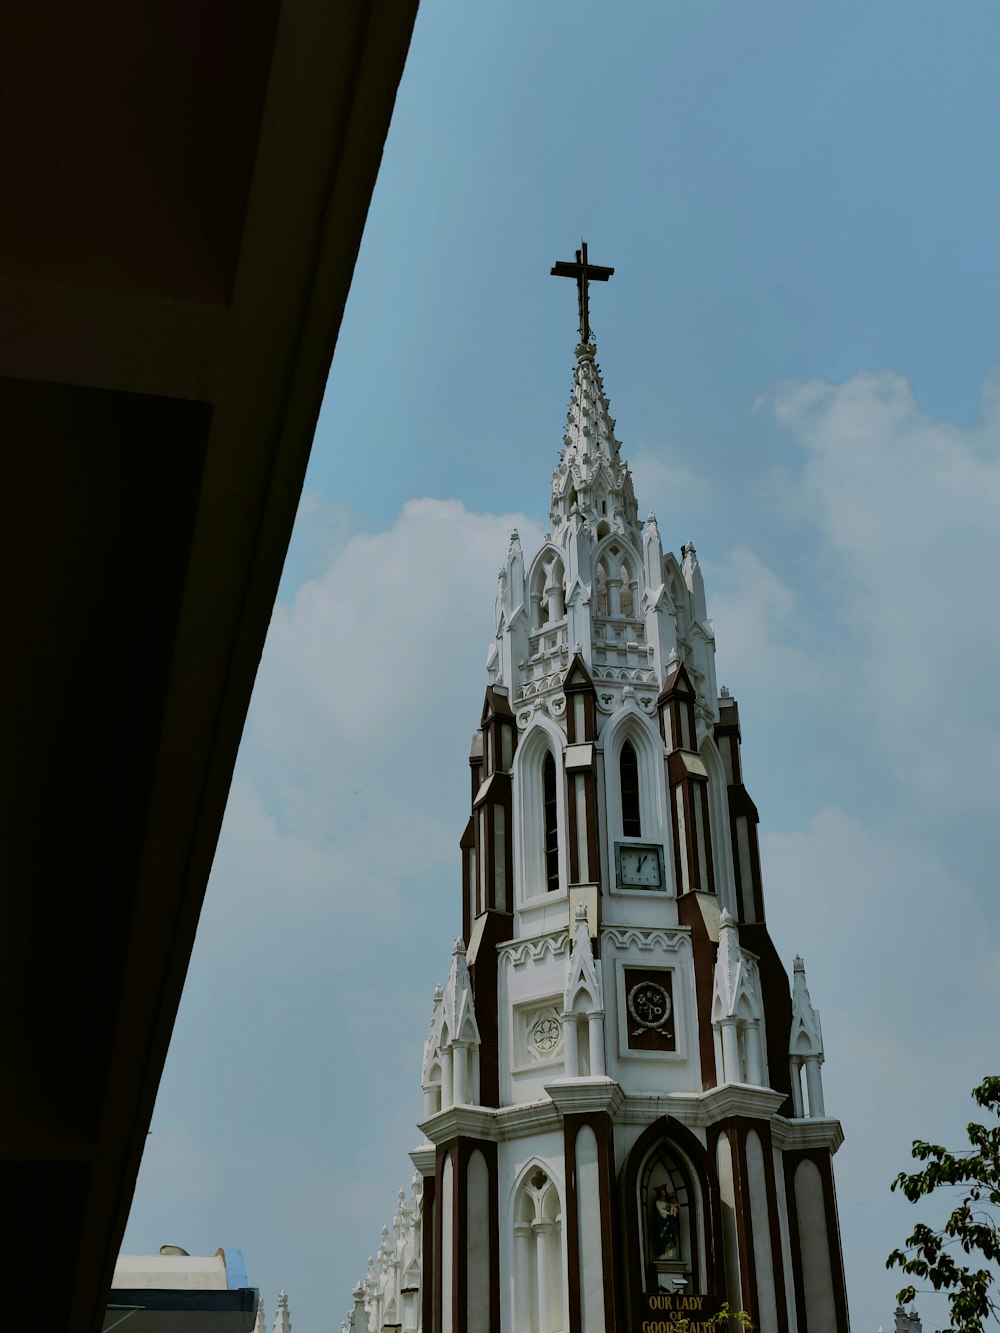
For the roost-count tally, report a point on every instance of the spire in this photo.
(260, 1323)
(591, 477)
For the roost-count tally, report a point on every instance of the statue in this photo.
(664, 1224)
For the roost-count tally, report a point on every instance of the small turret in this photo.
(805, 1047)
(583, 1005)
(459, 1039)
(737, 1011)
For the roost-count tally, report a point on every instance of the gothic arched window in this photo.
(538, 1294)
(628, 768)
(550, 810)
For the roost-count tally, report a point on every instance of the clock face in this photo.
(639, 867)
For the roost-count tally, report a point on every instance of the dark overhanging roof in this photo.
(185, 186)
(153, 1310)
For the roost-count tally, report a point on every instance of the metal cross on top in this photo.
(584, 273)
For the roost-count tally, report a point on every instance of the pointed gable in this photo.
(496, 704)
(577, 676)
(677, 683)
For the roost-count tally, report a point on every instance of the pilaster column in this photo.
(615, 596)
(430, 1102)
(730, 1051)
(595, 1033)
(814, 1086)
(755, 1054)
(460, 1062)
(543, 1231)
(474, 1057)
(571, 1048)
(798, 1111)
(446, 1085)
(522, 1268)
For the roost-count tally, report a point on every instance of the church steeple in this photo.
(616, 1127)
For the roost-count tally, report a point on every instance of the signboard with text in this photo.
(671, 1312)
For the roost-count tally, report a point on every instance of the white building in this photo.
(624, 1112)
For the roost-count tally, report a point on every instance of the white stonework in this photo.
(613, 1102)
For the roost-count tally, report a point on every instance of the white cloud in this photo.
(352, 780)
(762, 637)
(896, 946)
(663, 482)
(909, 508)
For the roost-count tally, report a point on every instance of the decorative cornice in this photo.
(578, 1095)
(466, 1122)
(517, 952)
(494, 1124)
(822, 1132)
(424, 1158)
(624, 937)
(527, 1118)
(699, 1110)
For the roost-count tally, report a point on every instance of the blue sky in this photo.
(800, 343)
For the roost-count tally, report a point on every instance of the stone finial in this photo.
(459, 947)
(282, 1319)
(359, 1320)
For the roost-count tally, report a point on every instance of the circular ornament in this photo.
(649, 1004)
(545, 1034)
